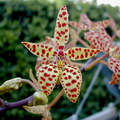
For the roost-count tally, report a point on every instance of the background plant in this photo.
(23, 21)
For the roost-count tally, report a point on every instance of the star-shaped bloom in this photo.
(60, 71)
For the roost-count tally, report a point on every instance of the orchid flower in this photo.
(60, 71)
(86, 24)
(101, 40)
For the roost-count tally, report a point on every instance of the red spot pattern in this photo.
(113, 64)
(53, 75)
(99, 39)
(61, 48)
(49, 69)
(43, 51)
(73, 90)
(47, 77)
(68, 84)
(64, 24)
(65, 18)
(40, 50)
(38, 53)
(73, 81)
(42, 78)
(60, 15)
(64, 13)
(50, 79)
(43, 87)
(48, 84)
(61, 30)
(77, 53)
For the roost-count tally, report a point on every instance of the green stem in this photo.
(96, 61)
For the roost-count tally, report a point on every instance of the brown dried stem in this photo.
(78, 64)
(96, 61)
(33, 78)
(84, 43)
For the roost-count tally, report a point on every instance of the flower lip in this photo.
(60, 63)
(61, 53)
(114, 52)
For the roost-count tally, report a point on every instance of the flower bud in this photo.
(10, 85)
(39, 98)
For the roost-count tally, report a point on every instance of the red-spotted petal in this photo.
(104, 24)
(47, 77)
(79, 25)
(113, 24)
(84, 18)
(115, 78)
(40, 50)
(78, 53)
(95, 25)
(40, 61)
(99, 39)
(61, 35)
(71, 80)
(86, 24)
(114, 64)
(83, 24)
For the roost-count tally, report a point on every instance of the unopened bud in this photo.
(40, 98)
(10, 85)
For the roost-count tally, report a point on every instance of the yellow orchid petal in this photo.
(40, 50)
(71, 80)
(61, 34)
(79, 53)
(47, 77)
(115, 78)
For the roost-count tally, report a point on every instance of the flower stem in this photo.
(104, 62)
(84, 43)
(16, 104)
(56, 99)
(96, 61)
(30, 83)
(78, 64)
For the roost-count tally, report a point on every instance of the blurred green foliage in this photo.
(31, 21)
